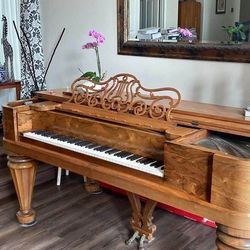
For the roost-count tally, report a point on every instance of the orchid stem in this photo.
(98, 63)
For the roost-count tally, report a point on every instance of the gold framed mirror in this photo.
(215, 51)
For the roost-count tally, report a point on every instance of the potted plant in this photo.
(235, 33)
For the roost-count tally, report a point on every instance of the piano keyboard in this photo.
(106, 153)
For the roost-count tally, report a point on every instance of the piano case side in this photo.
(188, 169)
(231, 183)
(208, 173)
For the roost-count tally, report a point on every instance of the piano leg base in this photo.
(135, 236)
(26, 219)
(23, 171)
(142, 240)
(141, 220)
(232, 239)
(92, 186)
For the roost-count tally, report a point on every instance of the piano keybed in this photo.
(124, 158)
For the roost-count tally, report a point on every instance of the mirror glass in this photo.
(161, 20)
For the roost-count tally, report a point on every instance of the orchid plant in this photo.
(98, 40)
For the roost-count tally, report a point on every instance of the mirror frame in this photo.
(196, 51)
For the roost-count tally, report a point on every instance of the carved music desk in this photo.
(188, 155)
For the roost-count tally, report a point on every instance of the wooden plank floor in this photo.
(69, 218)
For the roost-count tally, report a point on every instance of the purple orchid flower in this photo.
(99, 39)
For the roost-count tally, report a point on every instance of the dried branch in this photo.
(25, 57)
(31, 56)
(59, 40)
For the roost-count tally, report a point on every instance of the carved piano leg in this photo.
(232, 239)
(92, 186)
(23, 171)
(141, 221)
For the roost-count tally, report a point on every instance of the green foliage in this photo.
(235, 33)
(92, 76)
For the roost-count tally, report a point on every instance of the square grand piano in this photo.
(188, 155)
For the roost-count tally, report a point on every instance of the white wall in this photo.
(213, 82)
(171, 15)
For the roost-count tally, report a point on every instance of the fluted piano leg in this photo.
(232, 239)
(23, 171)
(141, 220)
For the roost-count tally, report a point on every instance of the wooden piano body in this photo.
(201, 180)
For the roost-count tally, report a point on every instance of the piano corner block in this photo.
(230, 183)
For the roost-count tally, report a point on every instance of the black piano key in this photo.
(157, 164)
(141, 159)
(83, 143)
(134, 157)
(123, 154)
(72, 140)
(76, 141)
(112, 151)
(102, 148)
(92, 145)
(63, 138)
(45, 133)
(148, 160)
(38, 132)
(54, 136)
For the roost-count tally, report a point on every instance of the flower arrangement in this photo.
(98, 40)
(186, 34)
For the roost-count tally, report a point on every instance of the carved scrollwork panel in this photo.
(125, 94)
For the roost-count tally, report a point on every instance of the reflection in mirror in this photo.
(208, 40)
(159, 20)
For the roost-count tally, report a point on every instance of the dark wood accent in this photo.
(196, 51)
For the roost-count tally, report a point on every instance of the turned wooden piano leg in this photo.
(141, 220)
(232, 239)
(92, 186)
(23, 171)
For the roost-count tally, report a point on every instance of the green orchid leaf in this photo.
(96, 79)
(90, 75)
